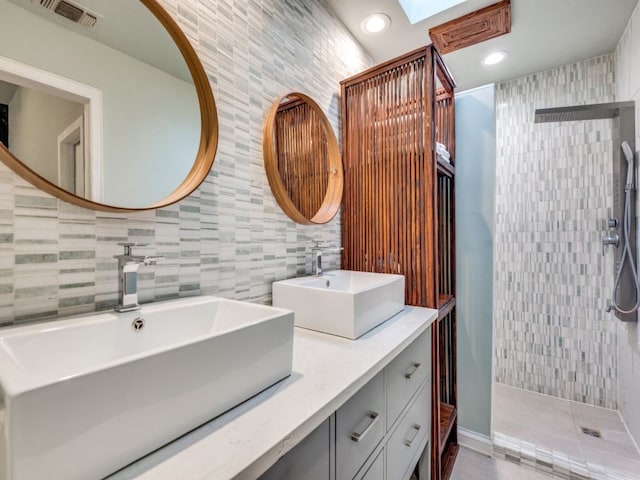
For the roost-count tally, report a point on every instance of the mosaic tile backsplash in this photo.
(553, 194)
(229, 238)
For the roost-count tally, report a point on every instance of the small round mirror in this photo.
(302, 160)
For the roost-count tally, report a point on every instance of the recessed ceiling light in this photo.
(375, 23)
(493, 58)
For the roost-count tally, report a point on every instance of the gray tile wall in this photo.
(229, 238)
(553, 192)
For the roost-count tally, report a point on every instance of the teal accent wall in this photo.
(475, 180)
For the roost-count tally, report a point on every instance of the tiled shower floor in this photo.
(555, 425)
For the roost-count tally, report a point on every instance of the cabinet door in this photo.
(360, 427)
(309, 460)
(376, 470)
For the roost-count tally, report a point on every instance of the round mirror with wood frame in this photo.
(302, 159)
(204, 145)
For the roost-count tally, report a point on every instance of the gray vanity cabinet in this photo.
(376, 470)
(309, 460)
(378, 434)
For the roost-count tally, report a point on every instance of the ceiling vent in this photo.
(71, 11)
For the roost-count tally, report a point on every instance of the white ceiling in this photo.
(544, 34)
(127, 26)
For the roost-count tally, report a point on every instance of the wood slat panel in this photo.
(303, 158)
(476, 27)
(391, 120)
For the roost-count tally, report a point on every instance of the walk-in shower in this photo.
(621, 225)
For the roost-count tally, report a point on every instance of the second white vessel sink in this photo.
(85, 396)
(341, 302)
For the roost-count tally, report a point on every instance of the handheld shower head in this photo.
(628, 155)
(626, 149)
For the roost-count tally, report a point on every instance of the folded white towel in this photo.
(442, 152)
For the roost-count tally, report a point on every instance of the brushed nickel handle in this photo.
(414, 369)
(364, 426)
(409, 441)
(611, 239)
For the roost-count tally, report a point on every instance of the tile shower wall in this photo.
(553, 194)
(228, 238)
(628, 88)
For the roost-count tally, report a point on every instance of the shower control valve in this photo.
(612, 239)
(612, 223)
(609, 306)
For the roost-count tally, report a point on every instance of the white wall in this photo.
(31, 111)
(628, 88)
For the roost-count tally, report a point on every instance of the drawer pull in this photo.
(362, 429)
(414, 369)
(409, 441)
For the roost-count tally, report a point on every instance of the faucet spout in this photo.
(318, 250)
(128, 265)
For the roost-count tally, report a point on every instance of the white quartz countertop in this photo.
(245, 441)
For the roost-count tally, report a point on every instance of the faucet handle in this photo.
(611, 239)
(129, 245)
(318, 244)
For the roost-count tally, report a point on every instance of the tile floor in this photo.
(475, 466)
(556, 424)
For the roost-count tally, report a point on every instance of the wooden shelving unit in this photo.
(448, 414)
(445, 302)
(398, 209)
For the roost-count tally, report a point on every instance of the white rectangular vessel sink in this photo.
(341, 302)
(85, 396)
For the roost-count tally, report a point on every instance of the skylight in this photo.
(418, 10)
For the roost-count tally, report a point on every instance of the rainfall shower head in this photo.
(580, 112)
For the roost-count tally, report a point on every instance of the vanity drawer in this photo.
(412, 431)
(405, 374)
(360, 427)
(376, 470)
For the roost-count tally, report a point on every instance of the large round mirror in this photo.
(302, 159)
(103, 103)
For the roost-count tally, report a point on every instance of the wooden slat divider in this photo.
(398, 209)
(393, 117)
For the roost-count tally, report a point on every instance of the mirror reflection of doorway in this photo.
(4, 124)
(72, 174)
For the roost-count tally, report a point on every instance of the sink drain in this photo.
(137, 324)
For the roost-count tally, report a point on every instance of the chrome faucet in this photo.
(128, 275)
(317, 250)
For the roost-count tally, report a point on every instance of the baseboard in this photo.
(475, 441)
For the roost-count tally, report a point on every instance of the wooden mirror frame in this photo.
(333, 195)
(208, 132)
